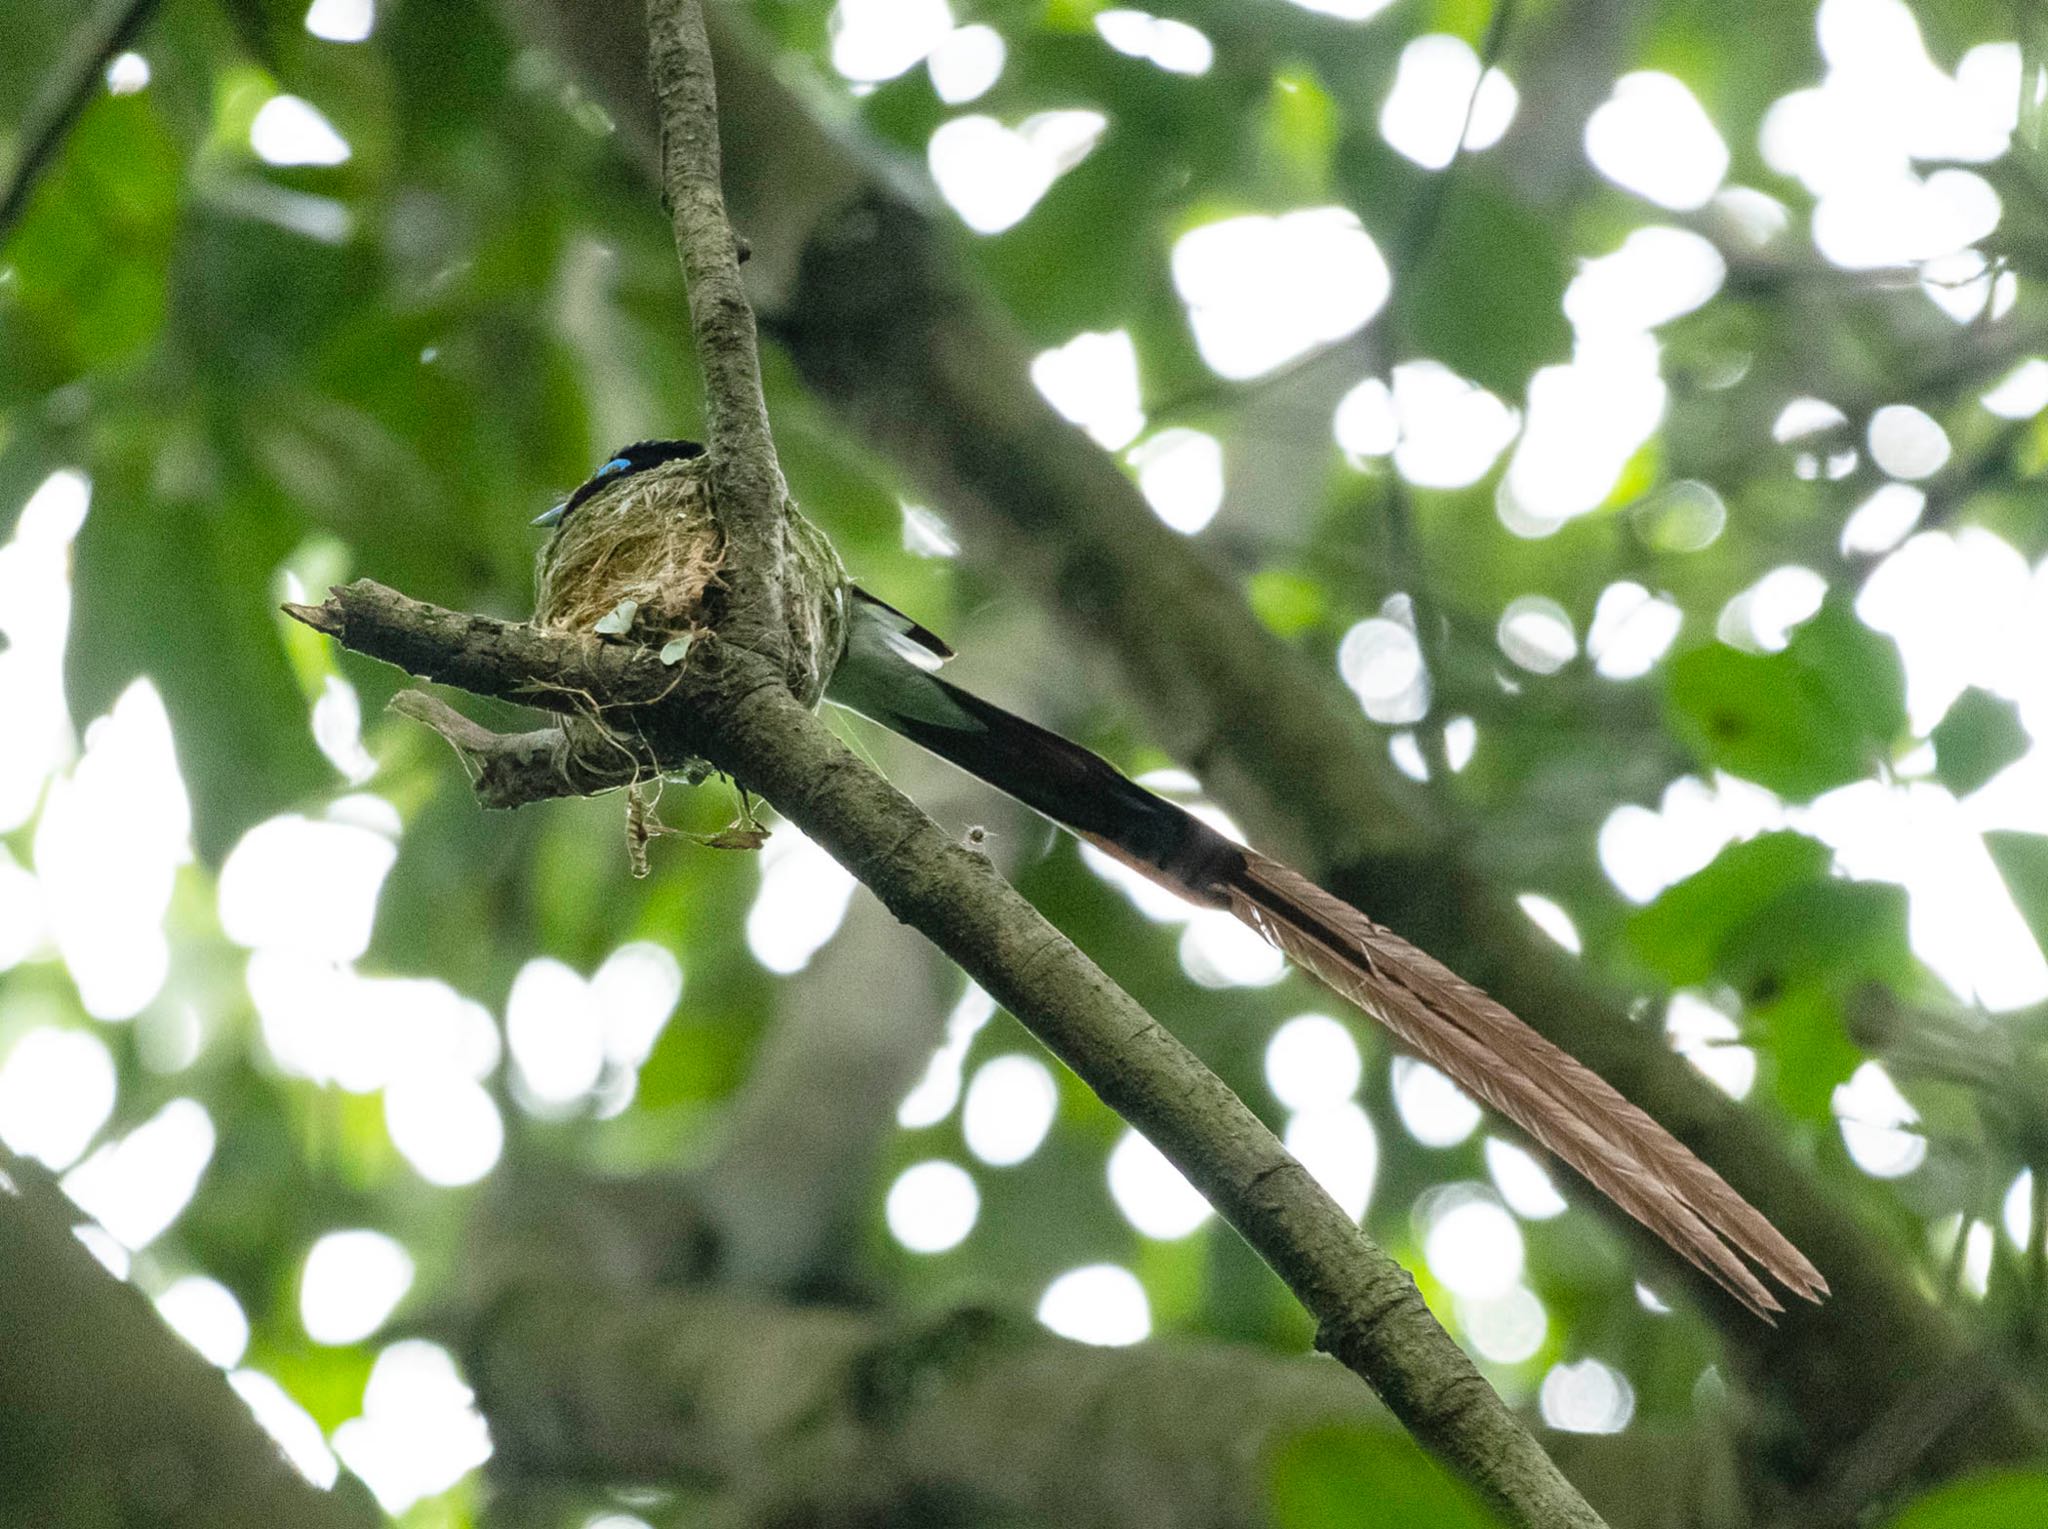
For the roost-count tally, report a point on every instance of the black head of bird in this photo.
(637, 457)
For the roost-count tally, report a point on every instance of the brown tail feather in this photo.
(1431, 1011)
(1569, 1108)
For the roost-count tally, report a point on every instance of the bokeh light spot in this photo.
(1473, 1246)
(351, 1283)
(1010, 1106)
(289, 131)
(932, 1206)
(205, 1313)
(1587, 1397)
(1152, 1194)
(1262, 290)
(1654, 138)
(1099, 1303)
(1311, 1061)
(1435, 1110)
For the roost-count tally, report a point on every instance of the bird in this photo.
(637, 457)
(887, 672)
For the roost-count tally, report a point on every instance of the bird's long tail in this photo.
(1430, 1010)
(1569, 1108)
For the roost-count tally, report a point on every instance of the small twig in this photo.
(469, 738)
(1405, 556)
(65, 93)
(1420, 231)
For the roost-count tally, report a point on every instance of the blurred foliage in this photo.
(1819, 714)
(1980, 736)
(1349, 1479)
(2010, 1500)
(278, 377)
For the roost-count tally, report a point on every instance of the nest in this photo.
(641, 561)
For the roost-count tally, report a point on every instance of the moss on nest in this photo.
(654, 540)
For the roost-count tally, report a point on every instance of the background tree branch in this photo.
(847, 1416)
(789, 1187)
(112, 27)
(106, 1416)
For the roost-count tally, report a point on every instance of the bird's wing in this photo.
(922, 646)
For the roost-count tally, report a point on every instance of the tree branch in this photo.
(820, 1415)
(730, 708)
(808, 1414)
(746, 478)
(515, 769)
(64, 96)
(109, 1417)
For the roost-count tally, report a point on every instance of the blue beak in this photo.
(549, 517)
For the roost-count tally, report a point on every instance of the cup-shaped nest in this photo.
(643, 559)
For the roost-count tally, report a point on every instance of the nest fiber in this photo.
(642, 561)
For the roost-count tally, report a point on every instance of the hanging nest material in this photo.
(642, 562)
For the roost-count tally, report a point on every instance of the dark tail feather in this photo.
(1430, 1010)
(1082, 792)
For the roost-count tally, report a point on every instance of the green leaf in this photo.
(1980, 736)
(1815, 716)
(1835, 934)
(2007, 1500)
(1487, 296)
(327, 1382)
(1809, 1050)
(1299, 134)
(1796, 959)
(1286, 603)
(1355, 1478)
(1683, 931)
(1861, 666)
(1468, 19)
(2022, 859)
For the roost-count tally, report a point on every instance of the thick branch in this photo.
(808, 1414)
(507, 659)
(828, 1416)
(106, 1416)
(744, 472)
(732, 710)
